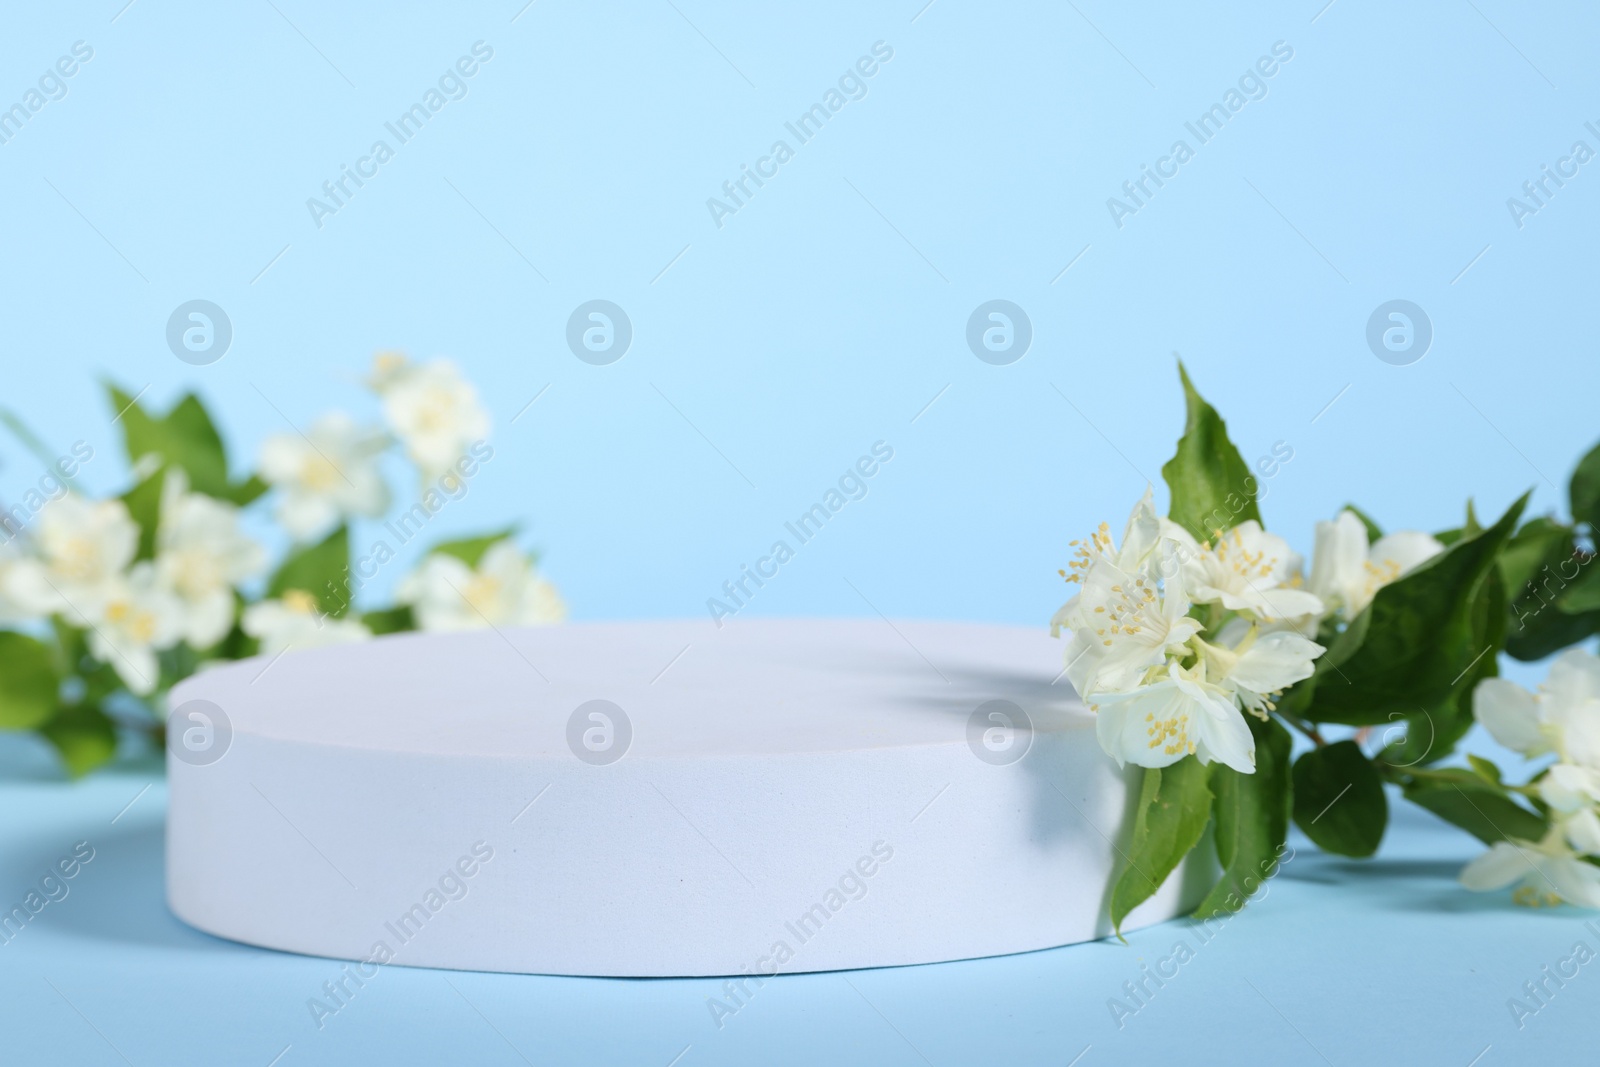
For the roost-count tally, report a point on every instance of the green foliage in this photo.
(1169, 817)
(1432, 733)
(58, 677)
(28, 682)
(1484, 768)
(1417, 641)
(1410, 660)
(1554, 590)
(389, 620)
(1583, 597)
(470, 550)
(1211, 487)
(1583, 491)
(143, 502)
(1252, 819)
(83, 735)
(237, 644)
(1476, 803)
(320, 569)
(184, 437)
(1339, 801)
(247, 491)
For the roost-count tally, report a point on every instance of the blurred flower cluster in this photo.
(107, 603)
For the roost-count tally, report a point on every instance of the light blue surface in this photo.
(828, 313)
(1385, 961)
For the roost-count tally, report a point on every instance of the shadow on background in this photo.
(119, 896)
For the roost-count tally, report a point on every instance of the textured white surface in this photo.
(772, 764)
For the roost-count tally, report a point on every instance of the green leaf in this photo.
(1541, 542)
(84, 736)
(1485, 768)
(1339, 801)
(1471, 529)
(143, 502)
(1430, 736)
(1462, 797)
(1416, 642)
(184, 437)
(470, 550)
(236, 644)
(1211, 487)
(28, 681)
(1551, 584)
(1174, 805)
(1432, 733)
(1584, 489)
(1541, 631)
(244, 492)
(1583, 594)
(1252, 813)
(389, 620)
(321, 569)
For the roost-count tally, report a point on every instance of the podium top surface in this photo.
(686, 689)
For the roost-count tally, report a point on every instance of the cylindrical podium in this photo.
(651, 799)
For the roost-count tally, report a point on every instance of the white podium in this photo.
(651, 799)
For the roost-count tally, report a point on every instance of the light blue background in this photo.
(822, 317)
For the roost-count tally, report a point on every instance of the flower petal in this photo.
(1284, 603)
(1142, 532)
(1404, 549)
(1511, 715)
(1276, 661)
(1497, 868)
(1218, 729)
(1575, 881)
(1339, 561)
(1571, 702)
(1583, 831)
(1124, 725)
(1574, 677)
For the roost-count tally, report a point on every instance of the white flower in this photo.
(387, 369)
(1582, 831)
(80, 550)
(1549, 872)
(1256, 664)
(1569, 788)
(1137, 656)
(1347, 573)
(1125, 623)
(503, 590)
(1572, 792)
(296, 621)
(1180, 714)
(12, 609)
(137, 617)
(1564, 717)
(1131, 610)
(201, 554)
(432, 409)
(1247, 569)
(326, 475)
(1139, 538)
